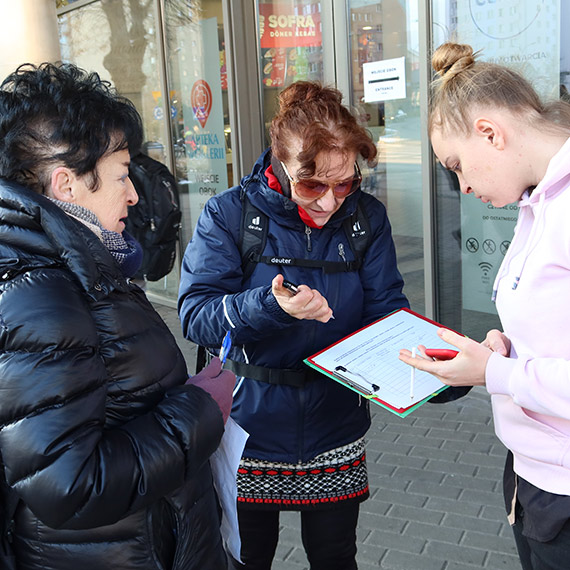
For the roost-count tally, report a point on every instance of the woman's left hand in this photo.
(307, 304)
(466, 369)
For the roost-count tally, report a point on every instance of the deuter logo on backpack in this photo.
(255, 224)
(155, 220)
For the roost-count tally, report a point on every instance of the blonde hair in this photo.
(464, 83)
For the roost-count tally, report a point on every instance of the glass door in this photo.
(472, 237)
(293, 46)
(198, 82)
(384, 91)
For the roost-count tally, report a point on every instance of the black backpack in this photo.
(155, 220)
(253, 235)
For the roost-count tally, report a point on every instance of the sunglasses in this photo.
(313, 189)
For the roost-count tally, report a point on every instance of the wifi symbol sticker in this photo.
(485, 268)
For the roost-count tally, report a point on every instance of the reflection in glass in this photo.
(291, 48)
(381, 33)
(199, 105)
(472, 237)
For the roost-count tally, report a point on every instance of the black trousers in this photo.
(535, 555)
(329, 538)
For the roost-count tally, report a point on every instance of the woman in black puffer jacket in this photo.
(103, 447)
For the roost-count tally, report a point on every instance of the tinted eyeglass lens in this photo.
(314, 189)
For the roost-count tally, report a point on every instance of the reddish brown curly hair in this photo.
(315, 114)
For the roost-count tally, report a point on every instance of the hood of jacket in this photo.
(35, 232)
(532, 207)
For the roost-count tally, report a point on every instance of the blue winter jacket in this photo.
(286, 423)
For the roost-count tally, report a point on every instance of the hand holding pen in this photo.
(466, 368)
(217, 382)
(300, 301)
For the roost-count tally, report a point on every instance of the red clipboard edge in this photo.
(309, 360)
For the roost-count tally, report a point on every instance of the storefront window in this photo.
(385, 93)
(121, 41)
(291, 48)
(199, 104)
(472, 237)
(124, 51)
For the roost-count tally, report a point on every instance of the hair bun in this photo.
(450, 58)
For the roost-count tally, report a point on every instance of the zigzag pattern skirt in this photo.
(335, 476)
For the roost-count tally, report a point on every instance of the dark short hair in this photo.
(315, 114)
(59, 114)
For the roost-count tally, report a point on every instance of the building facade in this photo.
(205, 75)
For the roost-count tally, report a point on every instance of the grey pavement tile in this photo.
(396, 541)
(473, 446)
(370, 554)
(388, 447)
(457, 468)
(397, 560)
(435, 481)
(495, 511)
(471, 495)
(411, 474)
(401, 461)
(452, 434)
(466, 523)
(396, 497)
(493, 472)
(427, 441)
(458, 553)
(444, 454)
(371, 522)
(502, 561)
(490, 542)
(443, 505)
(480, 459)
(428, 489)
(410, 514)
(469, 482)
(434, 532)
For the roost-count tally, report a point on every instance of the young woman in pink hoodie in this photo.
(488, 125)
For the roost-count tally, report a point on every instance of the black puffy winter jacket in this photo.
(101, 442)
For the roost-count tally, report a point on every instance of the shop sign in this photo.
(281, 25)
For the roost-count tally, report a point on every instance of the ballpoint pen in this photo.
(412, 376)
(225, 348)
(294, 289)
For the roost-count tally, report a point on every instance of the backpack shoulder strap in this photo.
(253, 234)
(358, 232)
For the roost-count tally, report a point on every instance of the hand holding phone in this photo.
(441, 353)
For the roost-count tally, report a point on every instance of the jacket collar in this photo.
(39, 230)
(282, 208)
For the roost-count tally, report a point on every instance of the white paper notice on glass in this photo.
(367, 361)
(384, 80)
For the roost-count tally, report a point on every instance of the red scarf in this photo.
(274, 184)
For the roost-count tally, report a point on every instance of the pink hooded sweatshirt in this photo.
(530, 390)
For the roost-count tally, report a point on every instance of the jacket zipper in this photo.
(308, 234)
(341, 252)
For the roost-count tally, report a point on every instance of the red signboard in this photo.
(282, 25)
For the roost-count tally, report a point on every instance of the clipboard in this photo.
(367, 362)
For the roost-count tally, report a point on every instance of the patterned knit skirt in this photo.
(335, 476)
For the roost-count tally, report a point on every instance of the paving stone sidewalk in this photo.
(435, 479)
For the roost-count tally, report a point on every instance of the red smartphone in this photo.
(441, 353)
